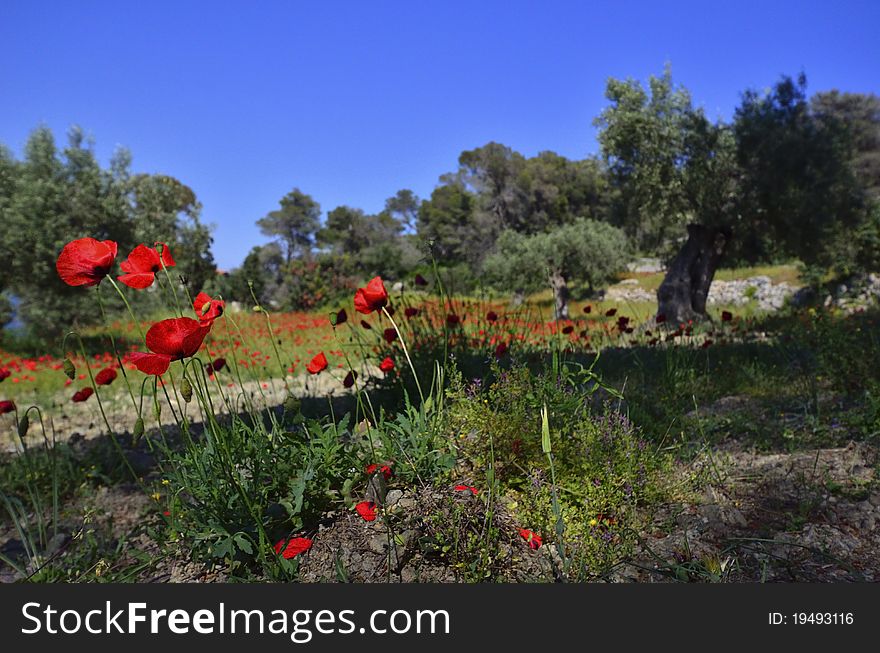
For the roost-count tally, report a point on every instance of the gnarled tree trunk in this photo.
(682, 295)
(560, 294)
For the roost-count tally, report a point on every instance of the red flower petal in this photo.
(533, 539)
(372, 297)
(86, 261)
(138, 281)
(105, 376)
(367, 510)
(318, 364)
(293, 547)
(386, 365)
(178, 337)
(155, 364)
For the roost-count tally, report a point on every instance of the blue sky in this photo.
(351, 101)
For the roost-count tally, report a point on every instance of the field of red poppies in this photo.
(412, 436)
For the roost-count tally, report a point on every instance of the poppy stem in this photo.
(128, 306)
(405, 353)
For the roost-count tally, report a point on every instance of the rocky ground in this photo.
(805, 516)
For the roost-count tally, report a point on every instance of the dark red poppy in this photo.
(420, 280)
(706, 343)
(318, 364)
(372, 297)
(105, 376)
(660, 318)
(611, 312)
(82, 395)
(453, 320)
(367, 510)
(501, 349)
(385, 469)
(208, 309)
(386, 365)
(142, 265)
(365, 324)
(726, 316)
(216, 365)
(4, 374)
(588, 308)
(568, 329)
(340, 318)
(411, 312)
(467, 488)
(533, 539)
(349, 379)
(492, 316)
(293, 547)
(170, 340)
(86, 261)
(7, 406)
(390, 335)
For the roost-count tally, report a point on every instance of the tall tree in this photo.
(294, 224)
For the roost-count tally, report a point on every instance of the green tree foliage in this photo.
(799, 186)
(54, 196)
(294, 224)
(587, 252)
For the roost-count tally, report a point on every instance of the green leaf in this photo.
(545, 431)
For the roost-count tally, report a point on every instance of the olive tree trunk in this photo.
(560, 294)
(683, 293)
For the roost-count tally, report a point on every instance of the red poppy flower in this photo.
(533, 539)
(501, 349)
(105, 376)
(467, 488)
(367, 510)
(4, 374)
(7, 406)
(170, 340)
(82, 395)
(86, 261)
(142, 265)
(349, 379)
(726, 316)
(207, 309)
(568, 329)
(293, 547)
(340, 318)
(411, 312)
(453, 320)
(420, 280)
(660, 318)
(318, 364)
(390, 335)
(216, 365)
(492, 316)
(611, 312)
(588, 308)
(386, 365)
(706, 343)
(385, 469)
(372, 297)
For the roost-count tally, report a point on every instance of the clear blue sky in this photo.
(351, 101)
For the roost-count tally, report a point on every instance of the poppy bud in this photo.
(186, 390)
(138, 428)
(23, 425)
(69, 369)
